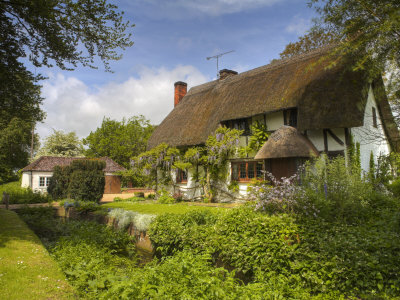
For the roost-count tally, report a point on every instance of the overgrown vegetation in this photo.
(158, 163)
(19, 195)
(289, 257)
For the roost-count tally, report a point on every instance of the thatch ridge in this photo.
(287, 142)
(327, 96)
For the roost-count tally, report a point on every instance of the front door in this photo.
(282, 167)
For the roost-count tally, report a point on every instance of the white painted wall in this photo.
(317, 138)
(274, 120)
(371, 138)
(26, 180)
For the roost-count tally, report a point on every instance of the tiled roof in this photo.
(47, 164)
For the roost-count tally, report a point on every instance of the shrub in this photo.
(19, 195)
(179, 196)
(59, 182)
(279, 197)
(124, 218)
(151, 196)
(293, 257)
(394, 187)
(338, 191)
(82, 180)
(139, 194)
(172, 232)
(165, 197)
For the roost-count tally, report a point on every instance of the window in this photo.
(44, 181)
(290, 117)
(181, 176)
(374, 121)
(240, 124)
(246, 170)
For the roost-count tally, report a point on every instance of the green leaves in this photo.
(119, 140)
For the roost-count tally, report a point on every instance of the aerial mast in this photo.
(217, 58)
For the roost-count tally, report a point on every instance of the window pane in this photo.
(47, 181)
(41, 181)
(250, 169)
(243, 170)
(235, 171)
(184, 175)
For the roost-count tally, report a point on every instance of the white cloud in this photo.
(298, 25)
(181, 9)
(222, 7)
(73, 106)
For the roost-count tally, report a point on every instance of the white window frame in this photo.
(46, 181)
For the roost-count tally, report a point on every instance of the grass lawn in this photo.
(157, 209)
(26, 269)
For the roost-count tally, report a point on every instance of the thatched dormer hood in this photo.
(325, 98)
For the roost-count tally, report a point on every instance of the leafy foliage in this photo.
(314, 39)
(66, 32)
(337, 190)
(296, 258)
(19, 195)
(213, 157)
(15, 140)
(82, 180)
(277, 196)
(259, 136)
(61, 144)
(119, 140)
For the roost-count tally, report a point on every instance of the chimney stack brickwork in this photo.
(225, 73)
(180, 91)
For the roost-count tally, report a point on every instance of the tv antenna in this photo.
(217, 57)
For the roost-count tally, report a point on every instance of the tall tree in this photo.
(62, 144)
(15, 139)
(368, 30)
(65, 33)
(119, 140)
(315, 38)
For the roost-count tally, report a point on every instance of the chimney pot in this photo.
(225, 73)
(180, 91)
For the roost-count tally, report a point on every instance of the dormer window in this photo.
(374, 120)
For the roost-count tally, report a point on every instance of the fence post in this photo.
(6, 198)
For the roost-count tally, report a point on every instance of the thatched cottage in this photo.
(323, 106)
(37, 174)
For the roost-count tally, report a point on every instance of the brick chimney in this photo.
(180, 91)
(225, 73)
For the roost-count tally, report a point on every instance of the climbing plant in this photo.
(158, 163)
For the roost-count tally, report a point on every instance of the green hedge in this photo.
(310, 254)
(82, 180)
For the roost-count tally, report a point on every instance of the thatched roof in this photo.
(325, 98)
(287, 142)
(47, 164)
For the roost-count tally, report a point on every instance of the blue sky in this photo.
(171, 42)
